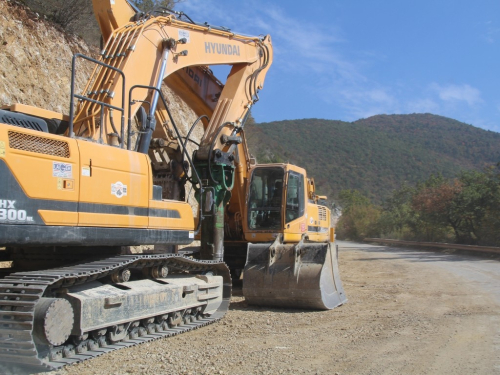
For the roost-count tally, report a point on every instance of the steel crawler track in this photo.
(19, 293)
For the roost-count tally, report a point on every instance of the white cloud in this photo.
(492, 33)
(362, 101)
(456, 93)
(425, 105)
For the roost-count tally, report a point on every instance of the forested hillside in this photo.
(375, 155)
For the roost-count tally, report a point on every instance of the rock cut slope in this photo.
(35, 59)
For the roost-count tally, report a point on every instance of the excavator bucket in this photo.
(303, 275)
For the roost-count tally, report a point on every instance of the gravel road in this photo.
(409, 312)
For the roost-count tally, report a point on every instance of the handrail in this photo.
(86, 98)
(488, 249)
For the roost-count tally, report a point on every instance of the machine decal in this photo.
(8, 212)
(86, 171)
(64, 170)
(311, 220)
(118, 189)
(302, 227)
(222, 49)
(2, 149)
(184, 34)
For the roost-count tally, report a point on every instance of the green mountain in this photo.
(374, 155)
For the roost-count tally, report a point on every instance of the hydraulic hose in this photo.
(253, 79)
(189, 140)
(112, 122)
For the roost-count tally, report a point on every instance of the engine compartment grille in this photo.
(322, 213)
(40, 145)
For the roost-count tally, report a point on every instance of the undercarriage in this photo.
(66, 315)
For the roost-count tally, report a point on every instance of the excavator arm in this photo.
(142, 52)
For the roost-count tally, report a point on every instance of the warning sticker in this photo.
(118, 189)
(86, 171)
(64, 170)
(2, 149)
(191, 234)
(184, 34)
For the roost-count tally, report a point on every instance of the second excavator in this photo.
(77, 191)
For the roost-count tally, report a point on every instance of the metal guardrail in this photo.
(487, 249)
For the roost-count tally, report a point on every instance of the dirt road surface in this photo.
(409, 312)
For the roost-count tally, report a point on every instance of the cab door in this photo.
(295, 219)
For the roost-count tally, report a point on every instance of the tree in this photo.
(359, 217)
(350, 198)
(484, 208)
(472, 204)
(461, 203)
(359, 222)
(435, 203)
(398, 217)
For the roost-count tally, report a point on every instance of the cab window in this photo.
(265, 201)
(295, 204)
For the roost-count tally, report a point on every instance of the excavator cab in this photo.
(265, 197)
(291, 255)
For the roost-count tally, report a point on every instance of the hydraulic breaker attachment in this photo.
(218, 181)
(303, 275)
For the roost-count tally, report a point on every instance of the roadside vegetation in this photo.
(464, 210)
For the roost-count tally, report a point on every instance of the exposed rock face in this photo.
(35, 60)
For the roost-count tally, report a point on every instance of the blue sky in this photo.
(345, 60)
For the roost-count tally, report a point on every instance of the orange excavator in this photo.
(77, 191)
